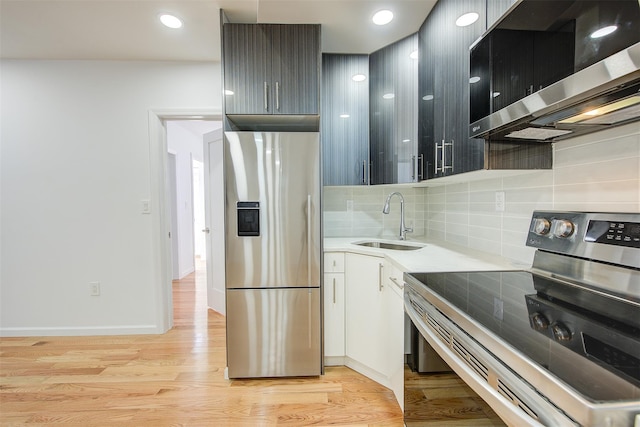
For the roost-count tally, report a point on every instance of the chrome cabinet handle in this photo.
(394, 280)
(452, 154)
(278, 96)
(421, 168)
(334, 290)
(266, 97)
(380, 274)
(364, 172)
(413, 168)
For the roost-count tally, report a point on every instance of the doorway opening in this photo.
(186, 174)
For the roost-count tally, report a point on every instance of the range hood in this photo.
(556, 80)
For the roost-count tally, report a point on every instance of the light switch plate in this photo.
(146, 206)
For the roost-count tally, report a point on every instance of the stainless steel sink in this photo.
(388, 245)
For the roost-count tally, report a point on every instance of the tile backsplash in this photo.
(597, 172)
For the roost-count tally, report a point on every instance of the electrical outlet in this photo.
(500, 201)
(94, 289)
(498, 308)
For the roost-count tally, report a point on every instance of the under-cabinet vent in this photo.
(506, 392)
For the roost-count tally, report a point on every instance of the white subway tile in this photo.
(541, 178)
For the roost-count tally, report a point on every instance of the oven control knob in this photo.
(563, 228)
(539, 321)
(541, 226)
(560, 332)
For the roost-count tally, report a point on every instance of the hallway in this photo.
(172, 379)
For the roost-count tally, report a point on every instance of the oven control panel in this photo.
(608, 237)
(614, 233)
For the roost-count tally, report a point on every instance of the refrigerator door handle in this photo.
(309, 240)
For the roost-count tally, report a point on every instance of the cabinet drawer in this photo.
(334, 262)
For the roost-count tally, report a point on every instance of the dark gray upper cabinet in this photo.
(444, 88)
(445, 83)
(393, 113)
(271, 69)
(344, 119)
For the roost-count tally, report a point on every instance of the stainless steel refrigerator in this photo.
(273, 252)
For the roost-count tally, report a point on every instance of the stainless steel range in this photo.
(558, 344)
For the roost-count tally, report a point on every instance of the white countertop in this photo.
(434, 256)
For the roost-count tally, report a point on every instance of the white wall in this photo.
(75, 166)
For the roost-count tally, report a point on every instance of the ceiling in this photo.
(130, 30)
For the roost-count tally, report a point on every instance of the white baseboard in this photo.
(334, 361)
(80, 331)
(368, 372)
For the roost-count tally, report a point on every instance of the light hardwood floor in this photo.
(177, 379)
(172, 379)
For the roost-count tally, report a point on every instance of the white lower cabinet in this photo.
(334, 309)
(366, 330)
(394, 313)
(364, 317)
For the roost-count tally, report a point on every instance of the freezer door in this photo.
(272, 198)
(273, 332)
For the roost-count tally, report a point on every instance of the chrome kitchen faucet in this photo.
(385, 210)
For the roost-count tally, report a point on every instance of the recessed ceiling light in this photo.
(382, 17)
(496, 94)
(228, 92)
(170, 21)
(414, 54)
(474, 79)
(406, 140)
(389, 96)
(344, 116)
(359, 77)
(427, 97)
(605, 31)
(467, 19)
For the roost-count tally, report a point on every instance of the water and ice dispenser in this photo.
(248, 218)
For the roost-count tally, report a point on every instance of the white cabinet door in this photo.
(394, 313)
(365, 325)
(334, 314)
